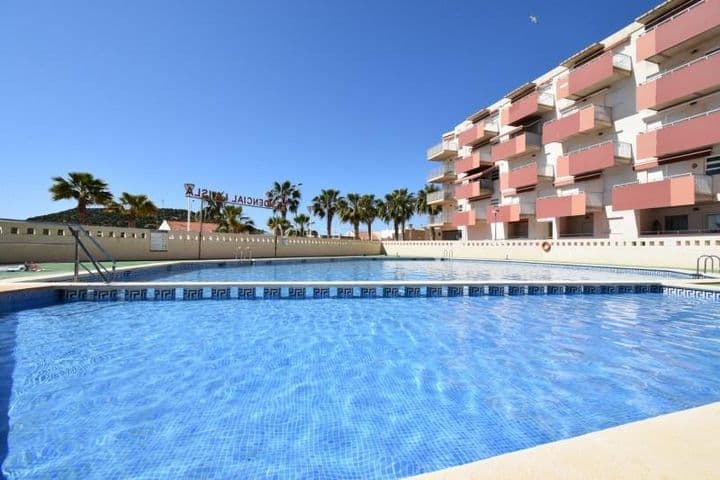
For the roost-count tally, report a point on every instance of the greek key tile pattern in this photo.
(246, 293)
(455, 291)
(412, 291)
(164, 294)
(105, 295)
(135, 294)
(273, 293)
(192, 293)
(344, 292)
(368, 292)
(220, 293)
(391, 292)
(432, 291)
(296, 292)
(76, 295)
(321, 293)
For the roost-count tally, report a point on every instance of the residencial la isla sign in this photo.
(224, 197)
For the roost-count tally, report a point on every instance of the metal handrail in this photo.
(618, 146)
(104, 273)
(691, 117)
(599, 109)
(705, 259)
(659, 75)
(637, 182)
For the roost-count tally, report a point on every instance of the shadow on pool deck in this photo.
(8, 334)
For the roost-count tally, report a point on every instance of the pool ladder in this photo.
(244, 254)
(447, 254)
(705, 259)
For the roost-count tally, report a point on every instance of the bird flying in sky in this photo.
(533, 19)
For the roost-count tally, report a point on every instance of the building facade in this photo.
(621, 140)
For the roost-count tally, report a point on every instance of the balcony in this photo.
(594, 75)
(680, 136)
(516, 146)
(479, 132)
(443, 150)
(443, 174)
(671, 192)
(531, 105)
(503, 213)
(465, 219)
(441, 219)
(594, 158)
(479, 188)
(583, 121)
(443, 195)
(519, 178)
(473, 162)
(687, 28)
(568, 205)
(688, 81)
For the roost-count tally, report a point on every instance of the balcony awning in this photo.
(484, 173)
(679, 157)
(521, 91)
(479, 115)
(666, 8)
(584, 55)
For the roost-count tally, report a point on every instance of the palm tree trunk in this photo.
(402, 224)
(369, 225)
(81, 210)
(395, 227)
(132, 222)
(357, 230)
(329, 226)
(432, 233)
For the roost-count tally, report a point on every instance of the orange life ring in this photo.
(546, 246)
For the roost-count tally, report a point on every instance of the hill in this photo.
(100, 216)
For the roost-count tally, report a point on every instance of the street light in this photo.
(496, 211)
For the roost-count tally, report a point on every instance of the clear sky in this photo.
(149, 94)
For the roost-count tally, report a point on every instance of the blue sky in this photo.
(149, 94)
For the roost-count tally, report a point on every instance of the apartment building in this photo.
(621, 140)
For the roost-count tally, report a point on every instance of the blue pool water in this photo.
(375, 388)
(388, 269)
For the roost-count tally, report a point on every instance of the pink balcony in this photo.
(503, 213)
(671, 192)
(594, 158)
(516, 146)
(681, 136)
(565, 206)
(473, 162)
(683, 83)
(464, 219)
(686, 28)
(522, 177)
(530, 105)
(594, 75)
(586, 120)
(478, 188)
(478, 133)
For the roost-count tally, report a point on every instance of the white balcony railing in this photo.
(666, 122)
(493, 123)
(544, 169)
(444, 146)
(602, 113)
(703, 184)
(440, 195)
(622, 149)
(659, 75)
(439, 172)
(441, 218)
(620, 60)
(546, 98)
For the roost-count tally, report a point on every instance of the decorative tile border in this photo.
(13, 301)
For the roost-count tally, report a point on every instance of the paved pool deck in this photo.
(680, 445)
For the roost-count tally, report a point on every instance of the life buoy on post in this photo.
(546, 246)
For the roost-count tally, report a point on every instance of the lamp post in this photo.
(496, 211)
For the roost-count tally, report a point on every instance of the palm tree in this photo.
(133, 207)
(398, 208)
(284, 197)
(212, 211)
(302, 225)
(233, 220)
(278, 225)
(351, 211)
(368, 211)
(84, 188)
(422, 206)
(326, 205)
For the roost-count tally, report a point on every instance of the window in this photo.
(61, 233)
(712, 165)
(14, 230)
(675, 223)
(30, 231)
(46, 231)
(713, 222)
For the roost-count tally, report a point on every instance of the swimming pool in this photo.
(393, 270)
(373, 388)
